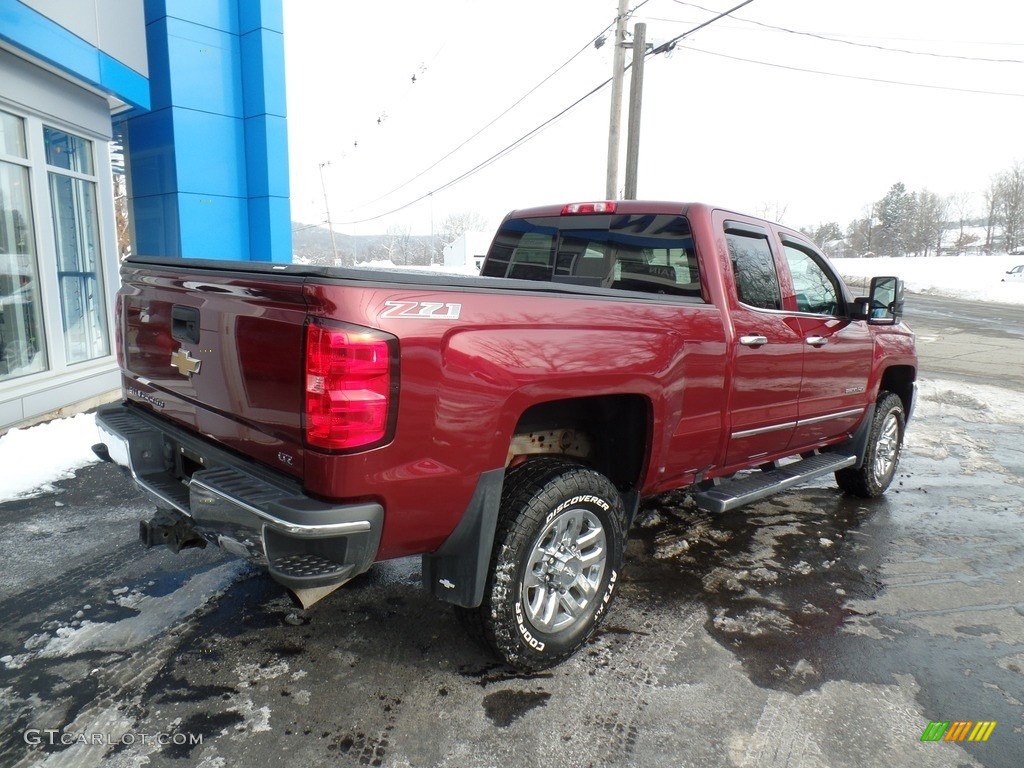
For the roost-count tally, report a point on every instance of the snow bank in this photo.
(33, 458)
(966, 277)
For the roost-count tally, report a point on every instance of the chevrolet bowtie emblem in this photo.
(185, 363)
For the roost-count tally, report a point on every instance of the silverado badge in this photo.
(185, 363)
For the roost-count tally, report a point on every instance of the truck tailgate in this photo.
(220, 352)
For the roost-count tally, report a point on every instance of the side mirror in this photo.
(883, 305)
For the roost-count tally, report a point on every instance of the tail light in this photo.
(351, 387)
(603, 206)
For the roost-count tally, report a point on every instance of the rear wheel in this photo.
(885, 444)
(557, 555)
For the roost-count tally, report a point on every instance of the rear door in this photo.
(768, 346)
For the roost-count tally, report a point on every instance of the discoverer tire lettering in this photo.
(555, 564)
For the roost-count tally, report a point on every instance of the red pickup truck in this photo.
(504, 427)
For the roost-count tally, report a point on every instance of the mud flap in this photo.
(457, 571)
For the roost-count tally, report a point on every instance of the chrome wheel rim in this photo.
(887, 449)
(564, 571)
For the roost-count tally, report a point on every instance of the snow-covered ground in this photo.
(966, 277)
(35, 457)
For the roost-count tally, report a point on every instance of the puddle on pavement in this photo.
(505, 707)
(775, 578)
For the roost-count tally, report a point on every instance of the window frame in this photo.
(735, 228)
(817, 258)
(59, 368)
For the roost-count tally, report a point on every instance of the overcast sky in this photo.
(732, 116)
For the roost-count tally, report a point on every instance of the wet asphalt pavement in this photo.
(808, 630)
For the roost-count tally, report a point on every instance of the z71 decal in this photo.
(421, 310)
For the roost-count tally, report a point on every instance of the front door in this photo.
(837, 351)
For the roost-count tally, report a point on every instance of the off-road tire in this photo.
(882, 456)
(556, 560)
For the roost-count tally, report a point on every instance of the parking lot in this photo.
(811, 629)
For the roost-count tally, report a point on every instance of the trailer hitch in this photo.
(169, 529)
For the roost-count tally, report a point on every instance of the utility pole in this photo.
(327, 208)
(618, 69)
(636, 94)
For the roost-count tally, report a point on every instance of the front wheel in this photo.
(882, 457)
(557, 555)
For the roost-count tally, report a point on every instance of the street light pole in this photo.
(327, 208)
(614, 124)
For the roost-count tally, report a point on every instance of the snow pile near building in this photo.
(35, 457)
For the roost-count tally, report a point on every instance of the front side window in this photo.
(757, 281)
(22, 344)
(76, 234)
(815, 291)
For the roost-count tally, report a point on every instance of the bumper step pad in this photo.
(304, 566)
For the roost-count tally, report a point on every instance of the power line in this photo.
(830, 39)
(665, 47)
(668, 46)
(492, 159)
(515, 104)
(854, 77)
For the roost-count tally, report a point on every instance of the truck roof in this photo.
(621, 206)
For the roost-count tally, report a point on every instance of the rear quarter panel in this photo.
(465, 383)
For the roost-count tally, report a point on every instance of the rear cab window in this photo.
(648, 253)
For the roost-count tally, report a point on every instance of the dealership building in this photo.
(188, 97)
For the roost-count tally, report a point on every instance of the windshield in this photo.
(652, 253)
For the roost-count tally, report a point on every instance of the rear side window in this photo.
(757, 281)
(650, 253)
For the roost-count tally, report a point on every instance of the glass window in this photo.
(67, 151)
(76, 234)
(12, 135)
(652, 253)
(22, 348)
(815, 291)
(757, 281)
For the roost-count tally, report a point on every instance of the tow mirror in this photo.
(884, 303)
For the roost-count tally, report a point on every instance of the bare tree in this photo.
(773, 211)
(929, 220)
(992, 206)
(961, 205)
(454, 226)
(1011, 198)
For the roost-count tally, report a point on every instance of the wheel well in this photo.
(617, 430)
(899, 379)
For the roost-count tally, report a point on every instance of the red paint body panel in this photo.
(475, 354)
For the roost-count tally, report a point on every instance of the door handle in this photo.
(753, 341)
(817, 341)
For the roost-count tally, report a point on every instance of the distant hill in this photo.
(312, 244)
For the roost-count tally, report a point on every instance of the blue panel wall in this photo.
(217, 75)
(28, 30)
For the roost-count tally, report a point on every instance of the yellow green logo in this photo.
(958, 730)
